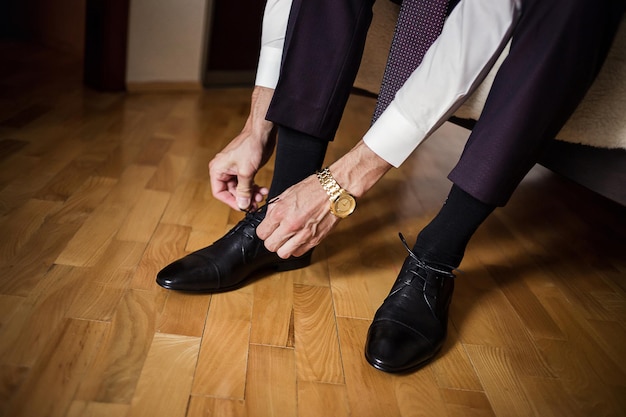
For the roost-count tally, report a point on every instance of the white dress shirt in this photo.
(472, 39)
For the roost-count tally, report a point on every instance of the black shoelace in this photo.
(438, 268)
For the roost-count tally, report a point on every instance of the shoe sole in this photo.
(404, 370)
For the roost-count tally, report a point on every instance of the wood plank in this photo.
(144, 217)
(224, 353)
(109, 280)
(184, 314)
(168, 173)
(154, 151)
(318, 356)
(113, 376)
(206, 229)
(22, 273)
(11, 379)
(154, 396)
(18, 227)
(370, 392)
(349, 282)
(584, 339)
(10, 146)
(12, 171)
(549, 398)
(273, 310)
(166, 246)
(417, 394)
(512, 276)
(178, 211)
(453, 367)
(490, 321)
(97, 301)
(271, 386)
(71, 178)
(462, 403)
(95, 409)
(315, 274)
(52, 160)
(41, 316)
(85, 200)
(55, 376)
(200, 406)
(120, 260)
(579, 378)
(8, 306)
(501, 381)
(321, 399)
(92, 239)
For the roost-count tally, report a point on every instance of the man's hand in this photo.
(300, 218)
(297, 220)
(232, 171)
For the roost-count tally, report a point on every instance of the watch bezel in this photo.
(343, 213)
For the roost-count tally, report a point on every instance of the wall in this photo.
(166, 42)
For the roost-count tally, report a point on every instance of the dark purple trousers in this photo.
(557, 50)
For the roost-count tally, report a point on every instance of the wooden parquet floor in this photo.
(98, 191)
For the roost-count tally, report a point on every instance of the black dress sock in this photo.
(445, 238)
(298, 155)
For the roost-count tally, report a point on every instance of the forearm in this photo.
(256, 124)
(359, 169)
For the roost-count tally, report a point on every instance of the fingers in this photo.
(283, 243)
(291, 235)
(236, 190)
(222, 191)
(247, 194)
(286, 244)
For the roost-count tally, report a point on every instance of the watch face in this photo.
(343, 206)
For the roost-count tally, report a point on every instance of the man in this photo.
(557, 48)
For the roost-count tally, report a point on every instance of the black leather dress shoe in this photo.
(229, 263)
(410, 326)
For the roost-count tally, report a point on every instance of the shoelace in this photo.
(251, 219)
(420, 264)
(445, 270)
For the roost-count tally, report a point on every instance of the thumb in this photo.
(244, 192)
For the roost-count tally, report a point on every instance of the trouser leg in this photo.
(556, 52)
(323, 49)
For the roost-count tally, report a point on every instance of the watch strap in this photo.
(330, 185)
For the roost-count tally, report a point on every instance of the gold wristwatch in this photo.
(342, 204)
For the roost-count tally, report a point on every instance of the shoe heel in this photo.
(295, 263)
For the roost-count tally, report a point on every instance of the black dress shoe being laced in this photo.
(409, 328)
(229, 263)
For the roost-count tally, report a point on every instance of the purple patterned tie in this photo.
(419, 24)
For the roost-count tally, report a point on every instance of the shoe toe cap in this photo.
(187, 275)
(394, 347)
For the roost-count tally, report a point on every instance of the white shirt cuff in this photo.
(268, 68)
(393, 136)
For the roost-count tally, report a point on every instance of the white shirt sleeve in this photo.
(473, 37)
(275, 20)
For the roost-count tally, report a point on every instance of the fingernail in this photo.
(243, 203)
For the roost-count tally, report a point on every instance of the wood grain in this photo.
(98, 192)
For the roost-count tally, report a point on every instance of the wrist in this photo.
(358, 170)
